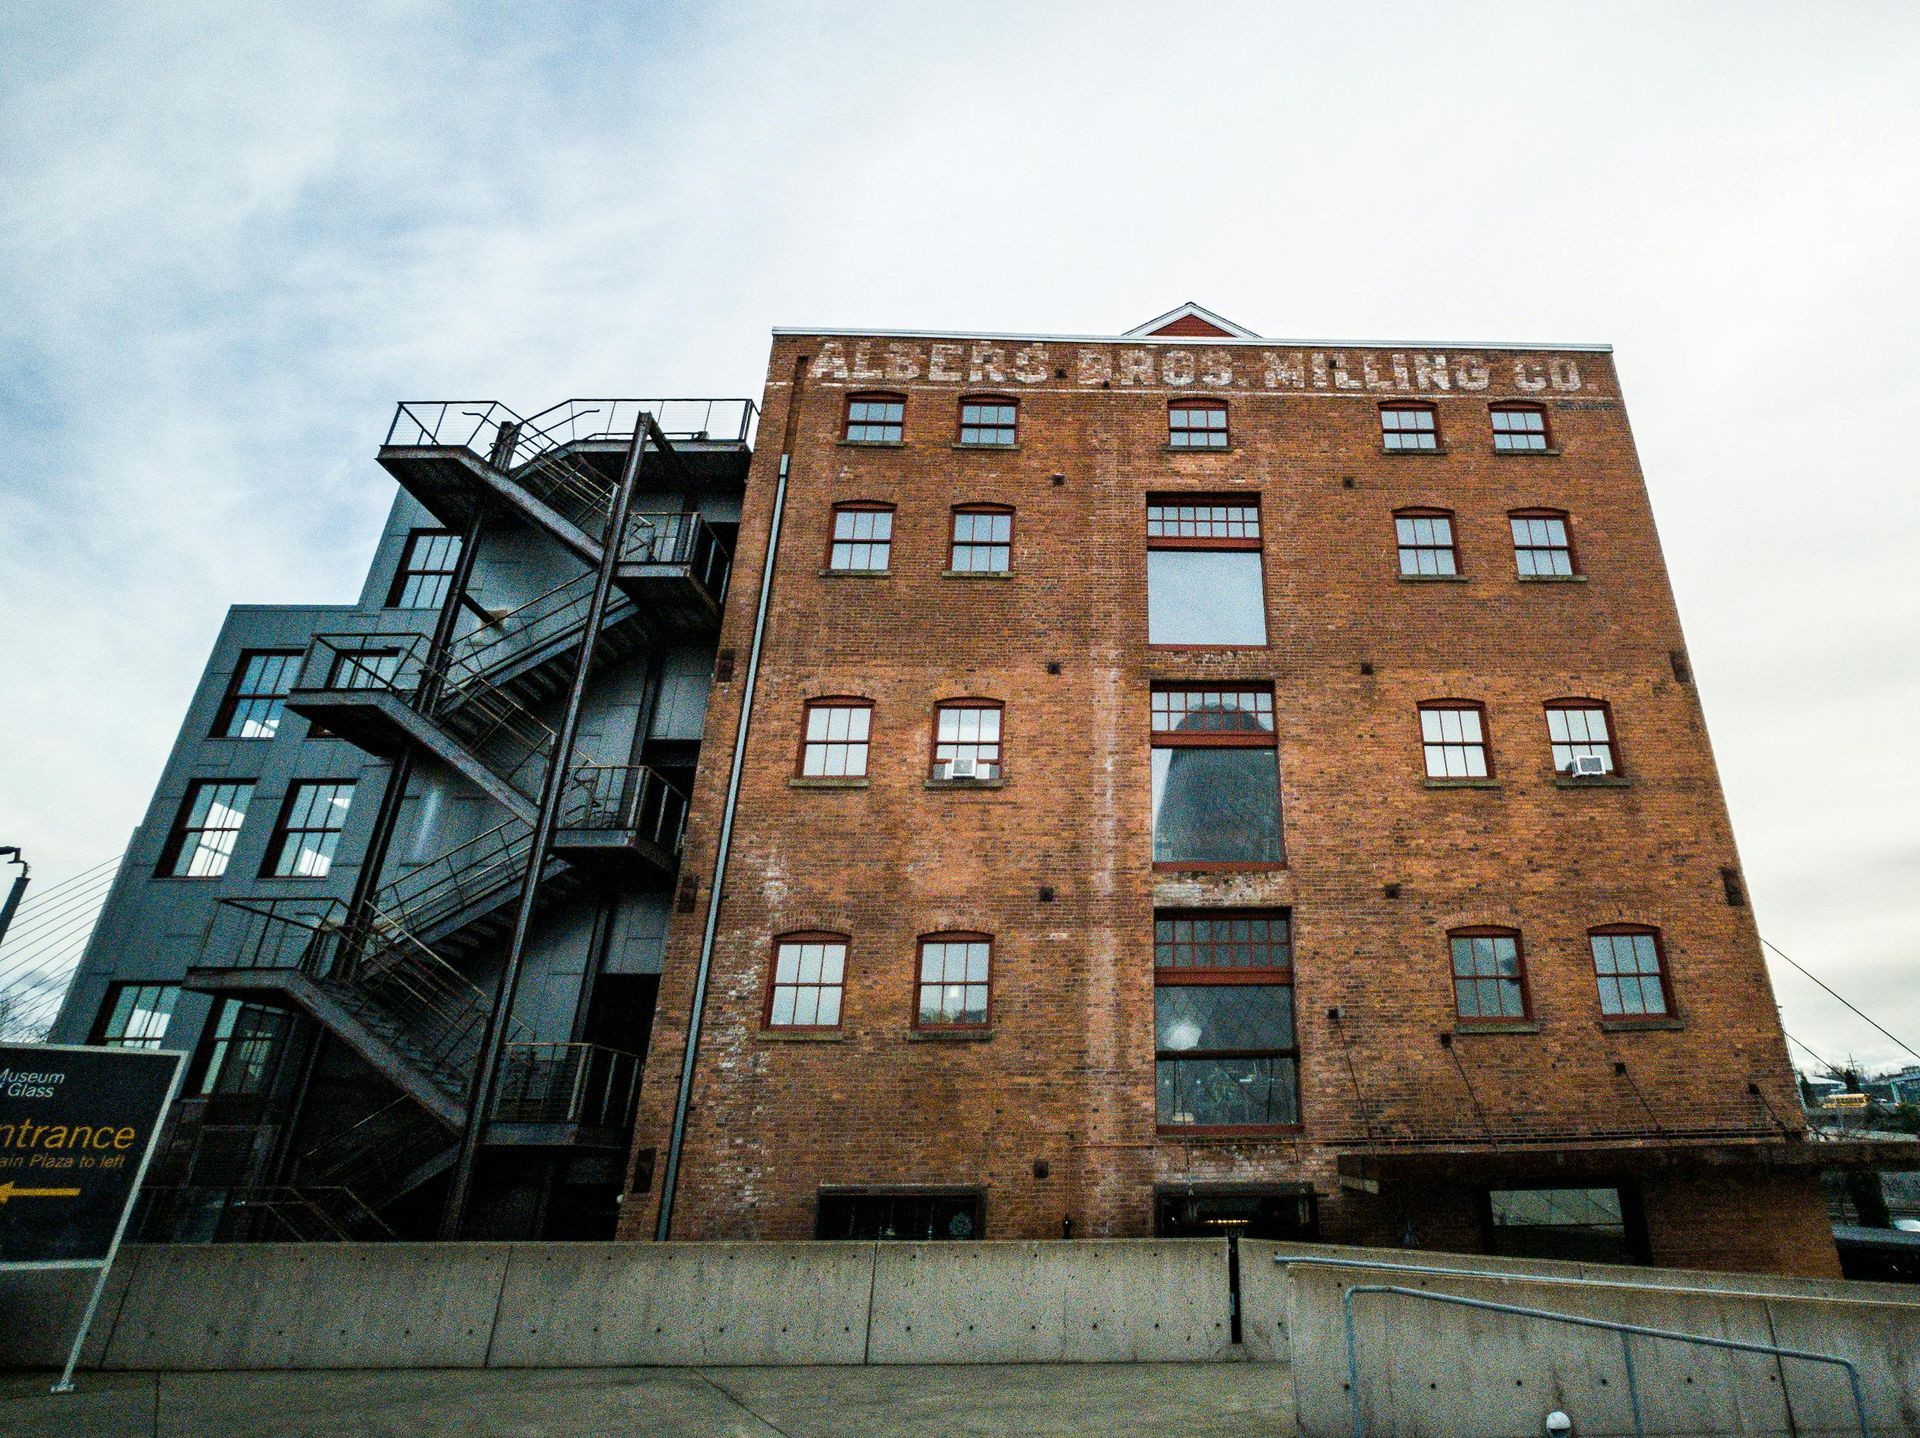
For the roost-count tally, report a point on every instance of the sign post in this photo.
(78, 1128)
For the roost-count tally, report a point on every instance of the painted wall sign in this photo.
(996, 364)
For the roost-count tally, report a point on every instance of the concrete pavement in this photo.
(1146, 1400)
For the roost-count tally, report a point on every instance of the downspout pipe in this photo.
(684, 1096)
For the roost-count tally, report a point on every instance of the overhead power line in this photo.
(1851, 1007)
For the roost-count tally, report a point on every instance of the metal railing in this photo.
(628, 797)
(720, 421)
(457, 879)
(375, 1157)
(189, 1213)
(585, 1084)
(680, 539)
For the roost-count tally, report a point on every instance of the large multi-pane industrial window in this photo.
(1629, 968)
(244, 1047)
(954, 982)
(1581, 729)
(1216, 778)
(1409, 428)
(988, 420)
(1453, 739)
(834, 745)
(862, 538)
(256, 695)
(982, 539)
(1204, 582)
(1197, 424)
(1594, 1225)
(915, 1214)
(1489, 975)
(204, 832)
(1520, 429)
(808, 980)
(1225, 1051)
(135, 1016)
(966, 739)
(426, 570)
(876, 418)
(1542, 547)
(309, 830)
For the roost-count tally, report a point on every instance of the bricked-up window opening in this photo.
(1204, 580)
(862, 537)
(1580, 729)
(1585, 1224)
(836, 739)
(206, 828)
(966, 739)
(135, 1016)
(1215, 779)
(309, 830)
(876, 418)
(808, 979)
(426, 570)
(1453, 740)
(988, 420)
(982, 539)
(1542, 544)
(954, 981)
(1425, 541)
(244, 1047)
(1489, 975)
(255, 697)
(1520, 429)
(1225, 1051)
(1631, 971)
(918, 1216)
(1197, 424)
(1409, 427)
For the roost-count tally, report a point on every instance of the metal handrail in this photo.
(1627, 1332)
(587, 1084)
(451, 881)
(631, 797)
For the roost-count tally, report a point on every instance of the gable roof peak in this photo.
(1190, 319)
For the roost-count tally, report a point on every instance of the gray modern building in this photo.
(385, 825)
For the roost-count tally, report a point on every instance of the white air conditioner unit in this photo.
(1588, 766)
(964, 767)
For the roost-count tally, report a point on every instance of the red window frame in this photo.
(921, 983)
(897, 424)
(1184, 431)
(833, 701)
(796, 938)
(1612, 742)
(834, 539)
(955, 544)
(998, 745)
(1484, 745)
(1457, 978)
(1566, 528)
(1545, 431)
(1166, 716)
(1203, 521)
(1659, 971)
(1430, 430)
(979, 426)
(1402, 548)
(1175, 975)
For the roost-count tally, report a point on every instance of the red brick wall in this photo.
(1067, 1074)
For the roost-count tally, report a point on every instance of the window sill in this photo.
(1431, 578)
(1218, 866)
(1228, 1133)
(976, 574)
(1521, 1026)
(1605, 781)
(856, 574)
(950, 1036)
(1645, 1025)
(1463, 783)
(1527, 453)
(872, 443)
(1002, 448)
(826, 781)
(1198, 448)
(965, 784)
(1551, 578)
(798, 1036)
(1415, 453)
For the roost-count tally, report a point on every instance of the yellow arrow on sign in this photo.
(8, 1190)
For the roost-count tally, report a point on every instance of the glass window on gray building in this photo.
(205, 832)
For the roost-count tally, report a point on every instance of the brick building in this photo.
(1193, 783)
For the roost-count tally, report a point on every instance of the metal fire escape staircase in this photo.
(385, 980)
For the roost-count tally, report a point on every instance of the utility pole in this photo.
(12, 852)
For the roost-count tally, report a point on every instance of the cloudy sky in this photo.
(232, 235)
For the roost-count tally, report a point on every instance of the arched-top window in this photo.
(954, 986)
(861, 541)
(982, 539)
(1197, 424)
(1409, 427)
(1489, 975)
(991, 420)
(1581, 732)
(1631, 969)
(1453, 739)
(966, 740)
(834, 737)
(806, 981)
(1521, 428)
(1424, 539)
(1542, 544)
(876, 418)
